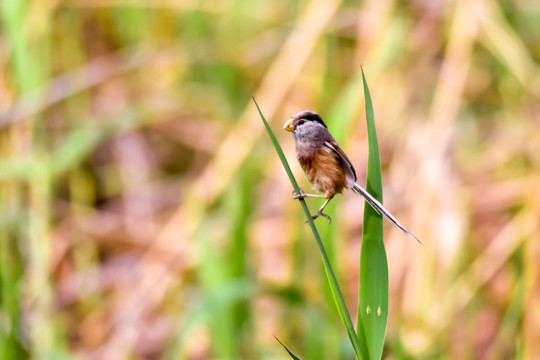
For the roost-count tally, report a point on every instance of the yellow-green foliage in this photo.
(145, 215)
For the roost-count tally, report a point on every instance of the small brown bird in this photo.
(326, 165)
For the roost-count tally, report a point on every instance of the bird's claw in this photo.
(320, 213)
(299, 196)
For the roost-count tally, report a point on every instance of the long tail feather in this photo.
(377, 206)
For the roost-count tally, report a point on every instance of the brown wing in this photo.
(351, 174)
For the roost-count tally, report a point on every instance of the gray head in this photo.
(308, 128)
(304, 116)
(307, 125)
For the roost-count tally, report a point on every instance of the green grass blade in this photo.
(292, 355)
(336, 292)
(373, 287)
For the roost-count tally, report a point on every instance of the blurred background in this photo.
(144, 213)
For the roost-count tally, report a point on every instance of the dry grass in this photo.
(143, 213)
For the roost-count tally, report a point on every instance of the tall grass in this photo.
(332, 280)
(373, 282)
(143, 213)
(368, 340)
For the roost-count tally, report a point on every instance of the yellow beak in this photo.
(288, 126)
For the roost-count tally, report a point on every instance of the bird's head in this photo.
(305, 123)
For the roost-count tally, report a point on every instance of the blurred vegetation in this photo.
(144, 214)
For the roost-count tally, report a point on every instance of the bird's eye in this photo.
(300, 122)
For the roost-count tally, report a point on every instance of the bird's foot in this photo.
(299, 196)
(320, 213)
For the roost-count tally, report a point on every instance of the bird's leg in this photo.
(304, 195)
(320, 213)
(298, 196)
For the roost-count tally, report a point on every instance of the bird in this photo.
(326, 165)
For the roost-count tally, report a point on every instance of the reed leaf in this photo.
(373, 279)
(334, 286)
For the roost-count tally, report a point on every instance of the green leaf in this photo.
(373, 287)
(289, 351)
(332, 281)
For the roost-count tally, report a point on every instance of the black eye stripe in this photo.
(307, 115)
(311, 118)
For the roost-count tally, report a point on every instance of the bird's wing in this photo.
(351, 173)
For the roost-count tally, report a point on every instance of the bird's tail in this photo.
(378, 207)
